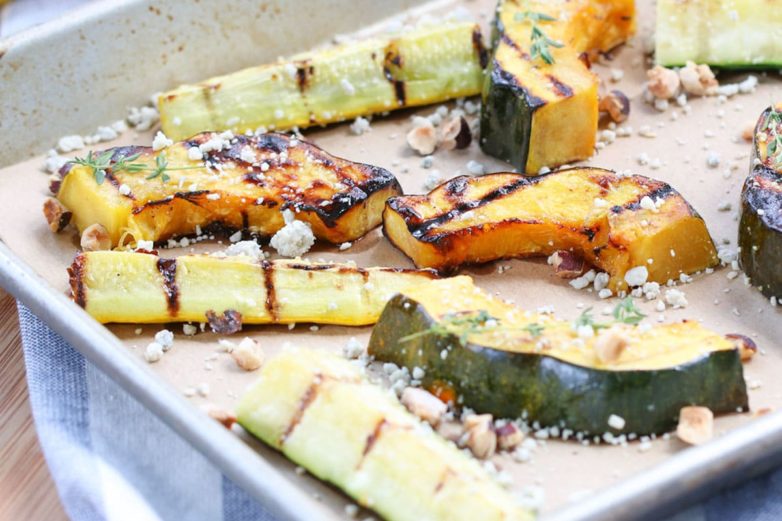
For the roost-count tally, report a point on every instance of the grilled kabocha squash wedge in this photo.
(760, 225)
(116, 286)
(424, 66)
(615, 222)
(319, 410)
(501, 360)
(726, 33)
(241, 183)
(535, 113)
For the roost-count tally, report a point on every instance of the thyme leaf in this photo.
(540, 42)
(626, 312)
(102, 163)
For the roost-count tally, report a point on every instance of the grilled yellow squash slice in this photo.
(241, 183)
(535, 113)
(423, 66)
(319, 410)
(115, 286)
(615, 222)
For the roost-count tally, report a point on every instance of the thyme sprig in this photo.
(540, 42)
(102, 163)
(464, 324)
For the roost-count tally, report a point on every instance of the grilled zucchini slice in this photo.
(725, 33)
(536, 114)
(760, 225)
(242, 183)
(115, 286)
(501, 360)
(424, 66)
(319, 410)
(615, 222)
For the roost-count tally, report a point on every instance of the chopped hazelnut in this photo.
(227, 418)
(509, 436)
(57, 215)
(423, 139)
(455, 134)
(696, 425)
(663, 83)
(95, 237)
(748, 133)
(698, 80)
(481, 438)
(567, 264)
(746, 346)
(423, 404)
(616, 105)
(246, 355)
(609, 344)
(452, 431)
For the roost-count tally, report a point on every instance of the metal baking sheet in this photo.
(579, 482)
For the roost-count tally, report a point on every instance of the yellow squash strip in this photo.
(320, 411)
(615, 222)
(118, 286)
(423, 66)
(241, 183)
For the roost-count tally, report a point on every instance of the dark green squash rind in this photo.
(554, 392)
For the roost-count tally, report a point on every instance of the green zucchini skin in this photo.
(551, 391)
(760, 236)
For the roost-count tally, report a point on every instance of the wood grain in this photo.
(26, 488)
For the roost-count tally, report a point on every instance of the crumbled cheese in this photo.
(143, 118)
(124, 189)
(345, 245)
(153, 353)
(359, 126)
(194, 154)
(427, 162)
(70, 143)
(675, 298)
(636, 276)
(616, 422)
(247, 155)
(235, 237)
(161, 141)
(294, 239)
(605, 293)
(647, 203)
(651, 290)
(165, 338)
(54, 162)
(213, 197)
(189, 329)
(601, 281)
(617, 75)
(216, 142)
(713, 159)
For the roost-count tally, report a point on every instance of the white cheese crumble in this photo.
(189, 329)
(161, 141)
(246, 248)
(143, 118)
(616, 422)
(153, 353)
(124, 189)
(294, 239)
(636, 276)
(345, 245)
(360, 126)
(347, 86)
(165, 338)
(247, 155)
(194, 154)
(675, 298)
(70, 143)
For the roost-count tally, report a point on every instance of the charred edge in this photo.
(372, 439)
(190, 197)
(763, 190)
(419, 229)
(228, 323)
(271, 297)
(503, 78)
(562, 90)
(245, 220)
(480, 49)
(443, 240)
(394, 59)
(311, 267)
(76, 278)
(303, 73)
(306, 400)
(167, 269)
(660, 192)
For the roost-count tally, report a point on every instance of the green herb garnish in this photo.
(626, 312)
(102, 163)
(466, 324)
(534, 329)
(540, 42)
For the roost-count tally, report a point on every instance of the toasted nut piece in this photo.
(55, 181)
(609, 344)
(749, 132)
(451, 431)
(95, 237)
(509, 436)
(698, 80)
(57, 215)
(423, 139)
(663, 83)
(481, 438)
(423, 404)
(456, 133)
(568, 264)
(246, 355)
(696, 425)
(227, 418)
(746, 346)
(228, 323)
(616, 105)
(762, 411)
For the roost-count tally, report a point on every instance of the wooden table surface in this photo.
(27, 492)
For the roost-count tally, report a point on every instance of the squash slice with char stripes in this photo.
(614, 222)
(242, 183)
(319, 410)
(512, 363)
(535, 114)
(115, 286)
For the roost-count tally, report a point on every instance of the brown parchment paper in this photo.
(564, 470)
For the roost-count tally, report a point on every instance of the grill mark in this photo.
(306, 400)
(303, 73)
(441, 482)
(76, 278)
(501, 77)
(661, 192)
(563, 90)
(167, 269)
(372, 439)
(271, 297)
(394, 59)
(480, 49)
